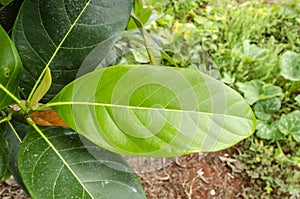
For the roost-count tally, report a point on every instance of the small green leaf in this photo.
(255, 90)
(41, 89)
(57, 163)
(290, 66)
(10, 69)
(264, 108)
(289, 125)
(154, 111)
(268, 132)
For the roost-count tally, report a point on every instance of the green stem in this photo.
(280, 149)
(19, 102)
(6, 119)
(144, 32)
(15, 132)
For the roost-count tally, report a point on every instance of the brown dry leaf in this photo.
(47, 117)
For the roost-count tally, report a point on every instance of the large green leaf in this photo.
(10, 68)
(61, 165)
(60, 34)
(154, 111)
(290, 66)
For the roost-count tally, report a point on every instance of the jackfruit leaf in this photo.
(154, 111)
(255, 90)
(289, 125)
(290, 66)
(264, 108)
(10, 69)
(59, 164)
(60, 34)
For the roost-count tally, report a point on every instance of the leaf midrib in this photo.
(53, 104)
(67, 34)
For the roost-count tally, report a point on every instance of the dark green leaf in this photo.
(268, 132)
(257, 90)
(9, 13)
(5, 2)
(60, 34)
(13, 148)
(4, 157)
(62, 165)
(264, 108)
(154, 111)
(290, 66)
(289, 125)
(10, 68)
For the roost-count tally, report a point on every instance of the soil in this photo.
(205, 176)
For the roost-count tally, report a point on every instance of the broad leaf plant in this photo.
(133, 110)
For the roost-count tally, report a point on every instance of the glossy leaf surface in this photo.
(60, 34)
(62, 165)
(10, 68)
(154, 111)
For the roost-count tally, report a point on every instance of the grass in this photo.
(240, 42)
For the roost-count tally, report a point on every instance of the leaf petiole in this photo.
(15, 132)
(19, 102)
(6, 119)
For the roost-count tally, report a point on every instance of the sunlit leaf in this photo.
(154, 111)
(255, 90)
(60, 34)
(10, 68)
(290, 66)
(62, 165)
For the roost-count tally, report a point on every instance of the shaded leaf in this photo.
(289, 125)
(290, 66)
(5, 2)
(10, 68)
(268, 132)
(154, 111)
(13, 148)
(255, 90)
(4, 155)
(60, 34)
(62, 165)
(264, 108)
(9, 13)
